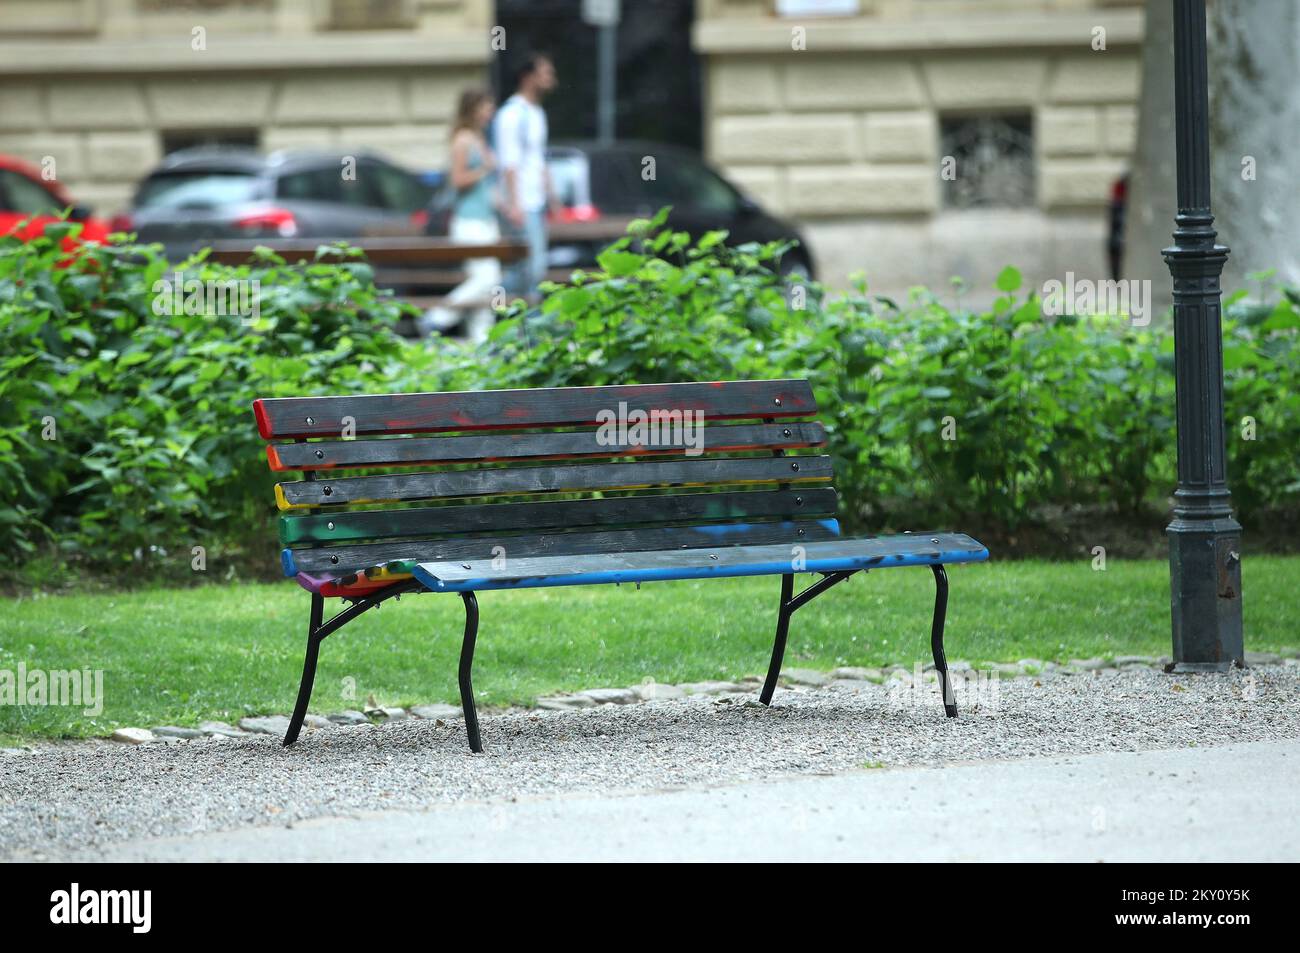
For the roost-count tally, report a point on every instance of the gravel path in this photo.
(71, 800)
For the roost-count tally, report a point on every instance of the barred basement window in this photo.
(993, 161)
(370, 14)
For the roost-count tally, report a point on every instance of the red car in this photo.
(26, 197)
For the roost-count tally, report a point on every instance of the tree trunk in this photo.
(1255, 136)
(1152, 198)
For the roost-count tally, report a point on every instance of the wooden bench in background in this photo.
(421, 270)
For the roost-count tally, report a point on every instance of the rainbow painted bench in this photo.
(518, 489)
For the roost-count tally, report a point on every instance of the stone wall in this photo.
(836, 123)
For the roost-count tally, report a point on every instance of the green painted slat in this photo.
(507, 517)
(489, 481)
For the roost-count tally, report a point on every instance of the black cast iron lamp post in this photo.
(1204, 539)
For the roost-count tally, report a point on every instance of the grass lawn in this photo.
(175, 656)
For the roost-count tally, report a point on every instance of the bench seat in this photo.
(922, 549)
(387, 564)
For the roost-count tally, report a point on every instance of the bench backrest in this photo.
(545, 472)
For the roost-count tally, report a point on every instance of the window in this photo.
(992, 161)
(685, 183)
(327, 185)
(369, 14)
(20, 194)
(570, 178)
(680, 180)
(197, 189)
(397, 191)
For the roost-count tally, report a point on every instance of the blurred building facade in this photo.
(914, 139)
(844, 122)
(106, 87)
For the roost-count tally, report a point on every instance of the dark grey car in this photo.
(199, 196)
(598, 182)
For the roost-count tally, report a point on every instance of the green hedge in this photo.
(154, 449)
(1043, 410)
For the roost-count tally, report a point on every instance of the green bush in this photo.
(125, 429)
(1042, 411)
(154, 448)
(1261, 362)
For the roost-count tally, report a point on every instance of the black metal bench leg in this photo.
(936, 640)
(782, 632)
(790, 604)
(308, 670)
(466, 664)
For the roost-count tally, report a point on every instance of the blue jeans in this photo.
(523, 277)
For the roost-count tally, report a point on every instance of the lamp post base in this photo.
(1200, 668)
(1205, 575)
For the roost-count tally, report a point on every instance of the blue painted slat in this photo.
(661, 565)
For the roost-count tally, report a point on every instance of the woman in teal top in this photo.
(478, 202)
(473, 219)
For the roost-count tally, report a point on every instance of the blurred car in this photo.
(602, 186)
(26, 197)
(198, 196)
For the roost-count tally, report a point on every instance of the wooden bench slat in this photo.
(555, 445)
(528, 572)
(400, 556)
(497, 481)
(378, 250)
(506, 517)
(519, 409)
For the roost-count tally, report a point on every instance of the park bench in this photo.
(419, 270)
(518, 489)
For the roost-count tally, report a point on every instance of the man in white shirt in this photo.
(521, 134)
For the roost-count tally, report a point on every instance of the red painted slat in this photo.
(292, 417)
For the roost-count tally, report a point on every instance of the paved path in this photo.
(1230, 803)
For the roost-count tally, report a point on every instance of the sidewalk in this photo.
(1229, 803)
